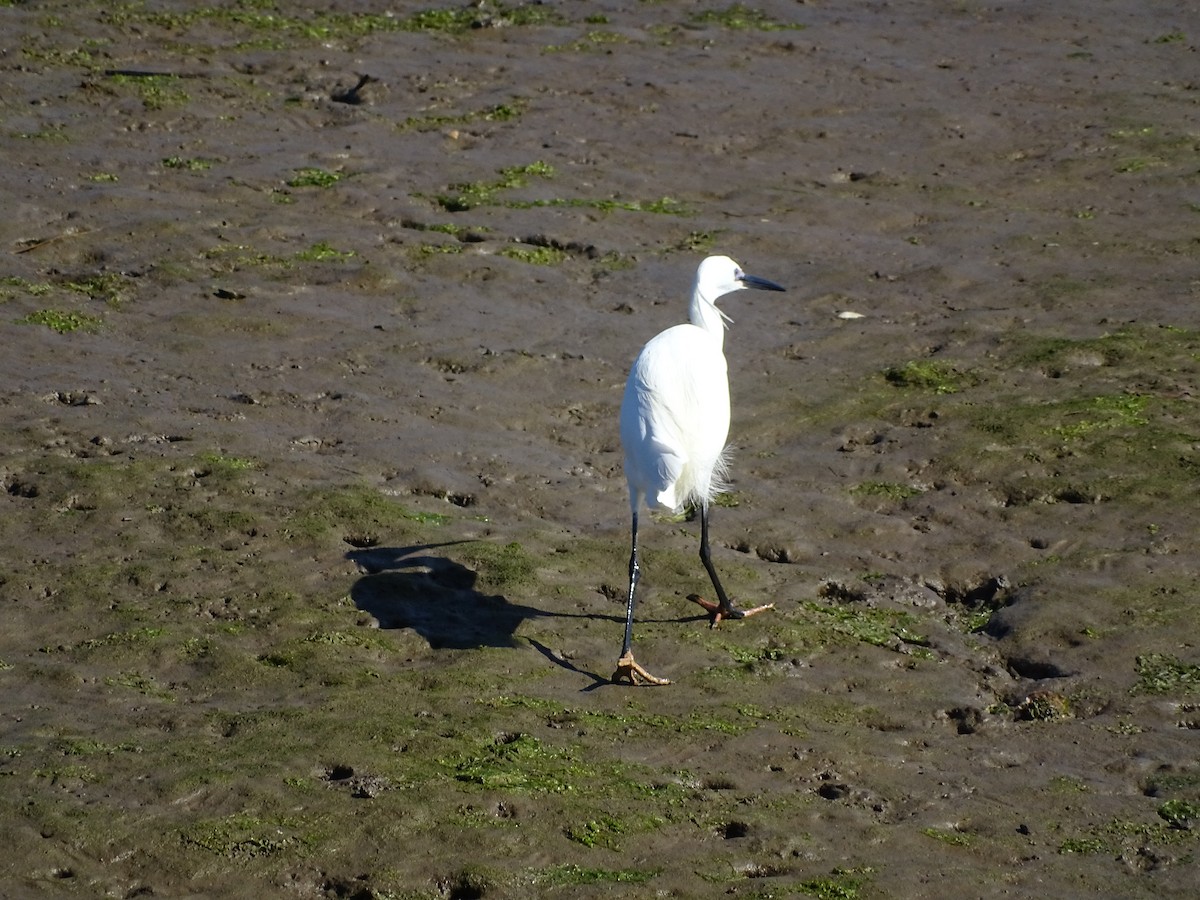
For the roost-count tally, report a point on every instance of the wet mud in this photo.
(315, 326)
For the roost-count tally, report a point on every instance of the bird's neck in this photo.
(704, 314)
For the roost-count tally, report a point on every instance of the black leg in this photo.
(727, 609)
(723, 608)
(634, 572)
(627, 668)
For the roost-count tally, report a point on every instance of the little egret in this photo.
(674, 422)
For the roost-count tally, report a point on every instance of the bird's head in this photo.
(716, 277)
(720, 275)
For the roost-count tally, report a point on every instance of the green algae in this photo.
(740, 17)
(1113, 423)
(1165, 673)
(464, 196)
(186, 163)
(63, 321)
(1101, 413)
(935, 376)
(602, 832)
(887, 490)
(313, 176)
(536, 256)
(226, 258)
(1140, 348)
(840, 884)
(632, 721)
(108, 287)
(10, 283)
(1119, 837)
(500, 112)
(469, 195)
(141, 683)
(322, 251)
(422, 251)
(156, 91)
(879, 627)
(1085, 846)
(1180, 814)
(500, 567)
(356, 510)
(116, 639)
(242, 836)
(951, 837)
(594, 39)
(264, 24)
(519, 762)
(665, 206)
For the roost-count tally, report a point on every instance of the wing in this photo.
(675, 416)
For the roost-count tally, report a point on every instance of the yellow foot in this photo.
(716, 614)
(630, 671)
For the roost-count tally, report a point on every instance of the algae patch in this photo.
(63, 321)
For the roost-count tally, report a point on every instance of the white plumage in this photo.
(668, 459)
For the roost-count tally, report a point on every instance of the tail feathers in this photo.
(719, 481)
(666, 499)
(688, 489)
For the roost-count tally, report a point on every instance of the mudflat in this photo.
(315, 324)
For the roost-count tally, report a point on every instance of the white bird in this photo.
(674, 423)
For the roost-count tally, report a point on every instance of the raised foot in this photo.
(716, 613)
(629, 671)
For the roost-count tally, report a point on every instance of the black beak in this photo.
(761, 284)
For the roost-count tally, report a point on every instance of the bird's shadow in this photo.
(418, 588)
(411, 587)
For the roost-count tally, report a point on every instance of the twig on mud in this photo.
(34, 245)
(151, 73)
